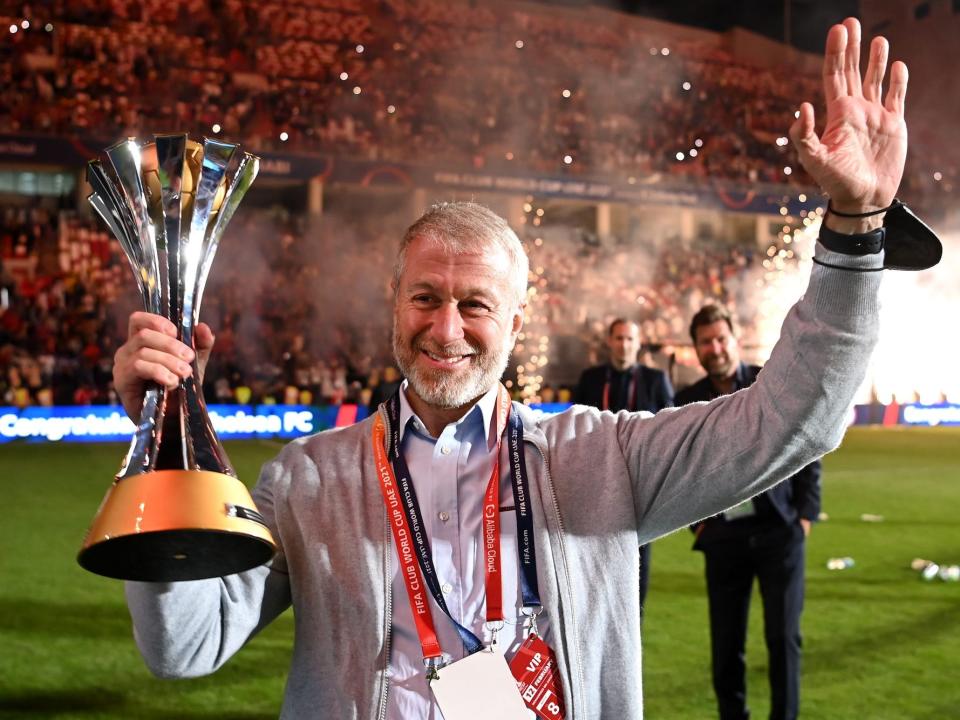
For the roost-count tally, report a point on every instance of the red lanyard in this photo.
(409, 567)
(404, 538)
(491, 518)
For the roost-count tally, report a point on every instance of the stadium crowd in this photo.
(475, 85)
(455, 84)
(67, 291)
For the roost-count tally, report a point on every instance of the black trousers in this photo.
(644, 575)
(776, 558)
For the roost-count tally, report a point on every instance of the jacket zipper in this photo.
(388, 593)
(575, 659)
(389, 625)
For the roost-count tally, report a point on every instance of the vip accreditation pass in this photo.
(479, 687)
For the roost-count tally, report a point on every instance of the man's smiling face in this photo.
(456, 318)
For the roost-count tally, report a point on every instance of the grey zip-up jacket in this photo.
(602, 484)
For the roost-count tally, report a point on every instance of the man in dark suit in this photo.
(763, 537)
(624, 384)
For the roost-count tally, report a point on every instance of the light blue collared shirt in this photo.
(450, 475)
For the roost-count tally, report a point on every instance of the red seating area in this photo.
(498, 85)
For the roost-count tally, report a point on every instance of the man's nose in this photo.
(447, 324)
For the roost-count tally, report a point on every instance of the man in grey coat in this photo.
(459, 294)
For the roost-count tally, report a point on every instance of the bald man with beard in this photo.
(379, 635)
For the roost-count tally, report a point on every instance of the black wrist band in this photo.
(830, 209)
(863, 244)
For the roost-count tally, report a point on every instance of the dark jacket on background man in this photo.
(651, 388)
(765, 541)
(637, 388)
(794, 498)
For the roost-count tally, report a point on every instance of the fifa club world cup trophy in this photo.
(176, 510)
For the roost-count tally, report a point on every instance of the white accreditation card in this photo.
(479, 687)
(743, 510)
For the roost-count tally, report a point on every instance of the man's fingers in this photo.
(156, 340)
(203, 337)
(175, 365)
(804, 137)
(851, 57)
(133, 366)
(146, 371)
(897, 92)
(876, 69)
(148, 321)
(803, 133)
(151, 353)
(834, 81)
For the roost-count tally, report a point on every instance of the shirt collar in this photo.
(486, 406)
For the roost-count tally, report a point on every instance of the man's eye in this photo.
(475, 306)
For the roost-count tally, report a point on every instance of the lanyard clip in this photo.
(433, 665)
(494, 627)
(532, 611)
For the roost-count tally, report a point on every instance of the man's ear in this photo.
(518, 319)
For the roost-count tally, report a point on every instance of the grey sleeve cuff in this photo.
(846, 286)
(850, 262)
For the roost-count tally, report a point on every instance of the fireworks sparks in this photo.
(915, 355)
(533, 344)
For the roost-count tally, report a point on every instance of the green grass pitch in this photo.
(879, 642)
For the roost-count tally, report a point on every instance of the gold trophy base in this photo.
(172, 525)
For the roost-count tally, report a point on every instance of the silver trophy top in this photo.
(168, 202)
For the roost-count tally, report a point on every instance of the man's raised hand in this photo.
(858, 160)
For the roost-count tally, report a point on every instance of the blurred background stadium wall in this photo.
(642, 157)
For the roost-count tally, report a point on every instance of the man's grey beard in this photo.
(450, 390)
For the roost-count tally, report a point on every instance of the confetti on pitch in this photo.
(843, 563)
(930, 570)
